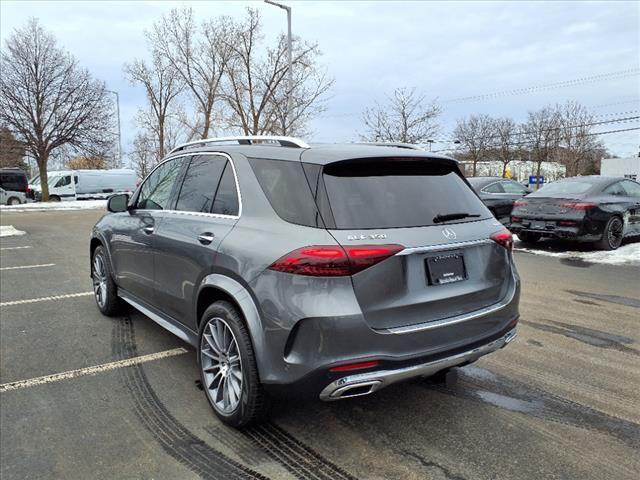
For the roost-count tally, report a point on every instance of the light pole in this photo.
(289, 54)
(119, 131)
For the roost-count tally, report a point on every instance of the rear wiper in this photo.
(453, 216)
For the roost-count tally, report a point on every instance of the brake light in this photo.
(516, 219)
(503, 238)
(26, 189)
(567, 223)
(578, 205)
(520, 203)
(333, 261)
(354, 366)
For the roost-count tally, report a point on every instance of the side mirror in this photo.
(118, 202)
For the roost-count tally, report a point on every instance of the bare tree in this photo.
(505, 140)
(576, 139)
(162, 84)
(199, 55)
(48, 101)
(475, 135)
(256, 88)
(541, 134)
(407, 117)
(86, 163)
(144, 154)
(11, 150)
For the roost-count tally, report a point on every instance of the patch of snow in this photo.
(48, 206)
(9, 231)
(628, 254)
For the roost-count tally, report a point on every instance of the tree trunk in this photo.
(44, 177)
(475, 163)
(504, 169)
(207, 124)
(538, 174)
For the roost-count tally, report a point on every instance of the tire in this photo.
(13, 201)
(612, 234)
(529, 237)
(54, 198)
(105, 290)
(228, 369)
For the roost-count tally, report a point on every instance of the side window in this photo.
(75, 179)
(615, 189)
(200, 183)
(226, 200)
(513, 187)
(632, 188)
(156, 190)
(493, 188)
(64, 181)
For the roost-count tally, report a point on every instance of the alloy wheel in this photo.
(221, 365)
(614, 234)
(99, 280)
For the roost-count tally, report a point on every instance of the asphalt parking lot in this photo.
(560, 402)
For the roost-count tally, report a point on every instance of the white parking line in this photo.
(15, 248)
(81, 372)
(29, 266)
(44, 299)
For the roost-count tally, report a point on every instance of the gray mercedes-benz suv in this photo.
(329, 270)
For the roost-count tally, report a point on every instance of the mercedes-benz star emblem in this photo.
(448, 233)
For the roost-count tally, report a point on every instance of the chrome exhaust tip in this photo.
(354, 390)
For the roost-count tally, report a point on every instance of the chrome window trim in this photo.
(444, 246)
(183, 212)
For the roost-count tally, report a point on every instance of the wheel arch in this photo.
(215, 287)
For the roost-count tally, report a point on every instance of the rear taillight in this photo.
(516, 219)
(567, 223)
(520, 203)
(503, 238)
(26, 189)
(333, 261)
(578, 205)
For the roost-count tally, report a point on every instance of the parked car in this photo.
(332, 271)
(86, 184)
(498, 194)
(13, 179)
(603, 210)
(12, 198)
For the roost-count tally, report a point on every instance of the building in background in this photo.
(518, 170)
(621, 167)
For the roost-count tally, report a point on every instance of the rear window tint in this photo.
(395, 193)
(286, 187)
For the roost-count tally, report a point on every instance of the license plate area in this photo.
(445, 268)
(538, 225)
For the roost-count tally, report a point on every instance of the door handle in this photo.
(148, 230)
(206, 238)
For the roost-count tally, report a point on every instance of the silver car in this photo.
(329, 271)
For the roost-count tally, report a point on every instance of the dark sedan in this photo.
(603, 210)
(498, 194)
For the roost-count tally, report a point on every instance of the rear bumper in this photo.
(365, 383)
(580, 230)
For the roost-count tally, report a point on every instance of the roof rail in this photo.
(410, 146)
(247, 140)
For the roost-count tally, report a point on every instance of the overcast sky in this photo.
(446, 50)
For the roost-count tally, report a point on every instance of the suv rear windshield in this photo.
(394, 193)
(366, 193)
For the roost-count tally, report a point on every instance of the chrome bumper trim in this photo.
(383, 378)
(445, 246)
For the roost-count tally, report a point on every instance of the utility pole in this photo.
(289, 56)
(119, 131)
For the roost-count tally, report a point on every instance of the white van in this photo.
(83, 184)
